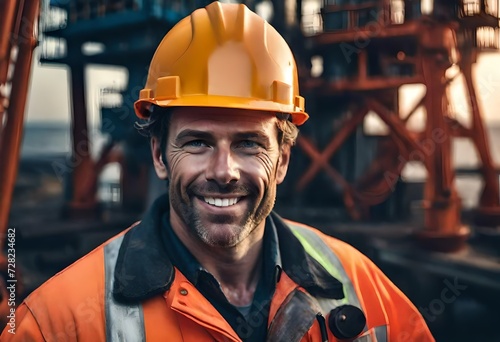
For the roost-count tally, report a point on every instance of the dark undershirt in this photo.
(251, 327)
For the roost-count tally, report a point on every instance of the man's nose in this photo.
(223, 167)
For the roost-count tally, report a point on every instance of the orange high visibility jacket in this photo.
(99, 299)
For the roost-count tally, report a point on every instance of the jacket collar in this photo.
(301, 267)
(144, 270)
(187, 264)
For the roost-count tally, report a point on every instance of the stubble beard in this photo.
(230, 233)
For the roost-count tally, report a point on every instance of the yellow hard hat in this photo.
(223, 55)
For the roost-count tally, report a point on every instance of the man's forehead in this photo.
(226, 117)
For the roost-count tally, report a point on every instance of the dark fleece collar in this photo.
(143, 269)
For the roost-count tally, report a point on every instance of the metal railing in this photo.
(472, 8)
(53, 18)
(111, 97)
(397, 12)
(492, 8)
(312, 23)
(89, 9)
(487, 38)
(53, 48)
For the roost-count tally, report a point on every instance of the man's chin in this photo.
(221, 234)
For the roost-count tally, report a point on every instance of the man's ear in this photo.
(283, 162)
(158, 162)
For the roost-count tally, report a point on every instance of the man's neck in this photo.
(238, 272)
(237, 268)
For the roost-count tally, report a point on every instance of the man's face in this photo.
(223, 167)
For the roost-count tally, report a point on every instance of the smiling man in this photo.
(211, 261)
(224, 165)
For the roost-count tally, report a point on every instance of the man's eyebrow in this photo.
(204, 135)
(252, 135)
(192, 133)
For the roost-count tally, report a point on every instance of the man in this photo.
(210, 261)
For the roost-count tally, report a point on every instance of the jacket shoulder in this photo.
(70, 305)
(383, 302)
(356, 264)
(338, 246)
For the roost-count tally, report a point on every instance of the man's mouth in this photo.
(221, 202)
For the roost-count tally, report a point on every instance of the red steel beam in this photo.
(488, 213)
(8, 10)
(442, 229)
(83, 202)
(321, 160)
(12, 132)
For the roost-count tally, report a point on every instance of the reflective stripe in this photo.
(320, 251)
(294, 318)
(364, 338)
(381, 333)
(123, 322)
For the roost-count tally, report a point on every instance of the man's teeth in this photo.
(221, 202)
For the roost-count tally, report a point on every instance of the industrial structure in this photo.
(369, 49)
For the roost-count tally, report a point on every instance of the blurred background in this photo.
(399, 158)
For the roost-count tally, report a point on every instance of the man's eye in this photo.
(195, 143)
(249, 144)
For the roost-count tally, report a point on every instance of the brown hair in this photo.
(157, 126)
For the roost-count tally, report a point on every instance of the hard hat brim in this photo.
(298, 116)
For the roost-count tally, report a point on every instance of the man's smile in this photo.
(219, 205)
(221, 202)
